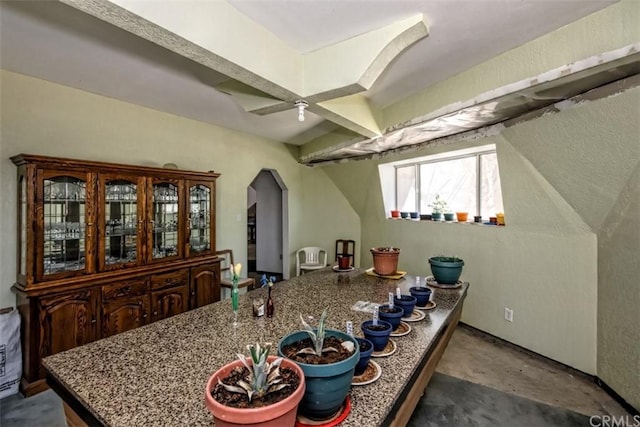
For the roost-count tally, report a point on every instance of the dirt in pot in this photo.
(364, 346)
(388, 309)
(376, 327)
(292, 351)
(240, 400)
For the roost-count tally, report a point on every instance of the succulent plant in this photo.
(317, 337)
(264, 377)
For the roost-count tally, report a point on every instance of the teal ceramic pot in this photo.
(392, 317)
(404, 214)
(406, 302)
(449, 216)
(436, 216)
(444, 271)
(327, 385)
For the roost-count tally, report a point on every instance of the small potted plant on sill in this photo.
(439, 207)
(446, 269)
(328, 359)
(257, 390)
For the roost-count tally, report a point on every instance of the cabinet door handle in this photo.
(155, 313)
(93, 320)
(193, 292)
(144, 315)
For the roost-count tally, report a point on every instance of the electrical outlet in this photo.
(508, 314)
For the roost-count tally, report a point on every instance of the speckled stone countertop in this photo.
(155, 375)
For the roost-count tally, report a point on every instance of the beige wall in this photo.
(39, 117)
(561, 174)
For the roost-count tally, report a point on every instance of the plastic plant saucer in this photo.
(430, 306)
(339, 417)
(416, 316)
(373, 366)
(402, 330)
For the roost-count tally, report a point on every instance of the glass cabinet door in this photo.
(64, 225)
(164, 232)
(120, 222)
(200, 216)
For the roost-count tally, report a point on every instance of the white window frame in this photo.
(389, 181)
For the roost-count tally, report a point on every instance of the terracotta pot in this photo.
(462, 216)
(385, 260)
(395, 214)
(282, 413)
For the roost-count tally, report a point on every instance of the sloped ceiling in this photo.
(242, 64)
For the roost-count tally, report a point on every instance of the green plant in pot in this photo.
(255, 390)
(446, 269)
(328, 359)
(438, 207)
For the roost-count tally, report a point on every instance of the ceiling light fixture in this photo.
(301, 104)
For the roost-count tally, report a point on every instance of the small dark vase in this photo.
(407, 303)
(422, 295)
(404, 214)
(414, 215)
(366, 348)
(379, 338)
(392, 316)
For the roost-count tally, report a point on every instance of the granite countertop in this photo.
(156, 374)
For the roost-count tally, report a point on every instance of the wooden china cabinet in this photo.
(104, 248)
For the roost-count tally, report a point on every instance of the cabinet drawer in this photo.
(124, 289)
(173, 278)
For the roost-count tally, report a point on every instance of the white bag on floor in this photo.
(10, 353)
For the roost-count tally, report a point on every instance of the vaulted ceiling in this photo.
(243, 64)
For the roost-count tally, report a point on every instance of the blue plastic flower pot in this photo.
(393, 318)
(421, 293)
(407, 303)
(365, 355)
(378, 338)
(327, 385)
(446, 272)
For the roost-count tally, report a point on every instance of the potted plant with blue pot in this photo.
(446, 269)
(328, 359)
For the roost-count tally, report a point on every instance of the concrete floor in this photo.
(482, 359)
(480, 381)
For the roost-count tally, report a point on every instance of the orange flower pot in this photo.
(462, 216)
(385, 260)
(282, 413)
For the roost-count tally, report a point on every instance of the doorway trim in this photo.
(286, 261)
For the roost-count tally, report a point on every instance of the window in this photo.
(468, 180)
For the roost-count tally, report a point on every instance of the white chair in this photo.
(314, 257)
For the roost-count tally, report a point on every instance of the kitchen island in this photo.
(156, 374)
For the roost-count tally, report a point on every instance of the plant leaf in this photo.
(307, 350)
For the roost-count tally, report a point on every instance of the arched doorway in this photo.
(268, 225)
